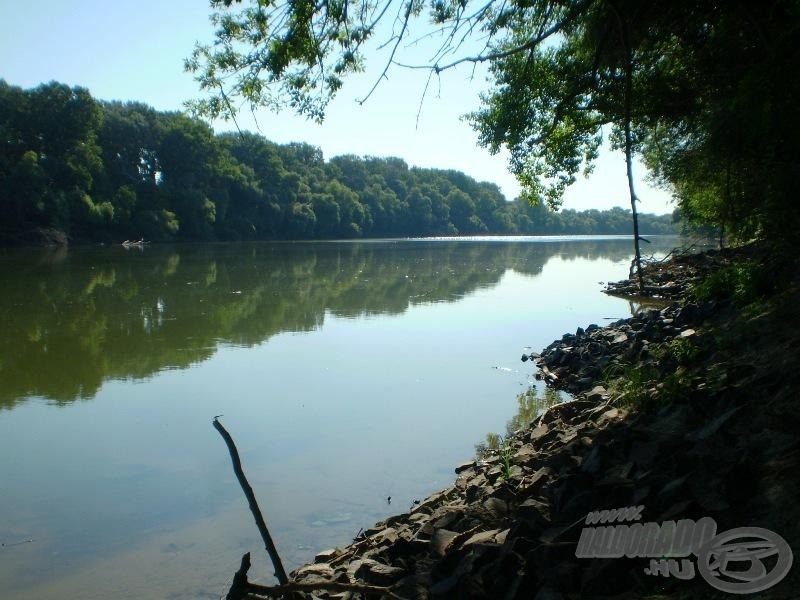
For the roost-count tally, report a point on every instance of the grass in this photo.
(499, 445)
(505, 460)
(630, 384)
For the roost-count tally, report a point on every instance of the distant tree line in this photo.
(108, 171)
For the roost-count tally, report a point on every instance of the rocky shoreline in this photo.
(663, 417)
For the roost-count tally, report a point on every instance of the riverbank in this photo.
(688, 411)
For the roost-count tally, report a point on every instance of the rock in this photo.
(597, 394)
(538, 432)
(524, 454)
(375, 573)
(609, 415)
(464, 466)
(673, 486)
(476, 492)
(714, 425)
(327, 555)
(620, 338)
(318, 569)
(644, 453)
(549, 593)
(524, 358)
(441, 540)
(568, 436)
(494, 472)
(535, 512)
(687, 333)
(484, 537)
(539, 478)
(447, 519)
(592, 464)
(388, 536)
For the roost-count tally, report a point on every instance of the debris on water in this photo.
(10, 544)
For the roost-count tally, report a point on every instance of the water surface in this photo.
(347, 372)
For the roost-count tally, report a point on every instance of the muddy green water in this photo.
(347, 373)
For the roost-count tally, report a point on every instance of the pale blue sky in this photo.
(135, 51)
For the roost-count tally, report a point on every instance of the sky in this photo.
(135, 51)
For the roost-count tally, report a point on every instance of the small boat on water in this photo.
(135, 243)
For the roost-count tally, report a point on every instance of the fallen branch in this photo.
(241, 589)
(330, 586)
(280, 572)
(240, 584)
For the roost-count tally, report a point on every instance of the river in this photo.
(347, 373)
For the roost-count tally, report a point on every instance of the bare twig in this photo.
(280, 573)
(390, 60)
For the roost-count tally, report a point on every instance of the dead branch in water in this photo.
(280, 572)
(260, 591)
(241, 589)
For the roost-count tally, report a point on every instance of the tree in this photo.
(703, 90)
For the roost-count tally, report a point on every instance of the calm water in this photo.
(346, 372)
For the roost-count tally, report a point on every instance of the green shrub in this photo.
(682, 350)
(743, 283)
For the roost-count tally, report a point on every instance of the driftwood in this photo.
(241, 589)
(280, 572)
(240, 584)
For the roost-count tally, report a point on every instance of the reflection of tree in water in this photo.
(74, 320)
(530, 405)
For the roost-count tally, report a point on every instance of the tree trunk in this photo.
(629, 148)
(726, 212)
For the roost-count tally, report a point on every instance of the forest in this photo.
(76, 168)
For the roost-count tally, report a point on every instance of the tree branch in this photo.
(390, 61)
(331, 586)
(280, 573)
(527, 45)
